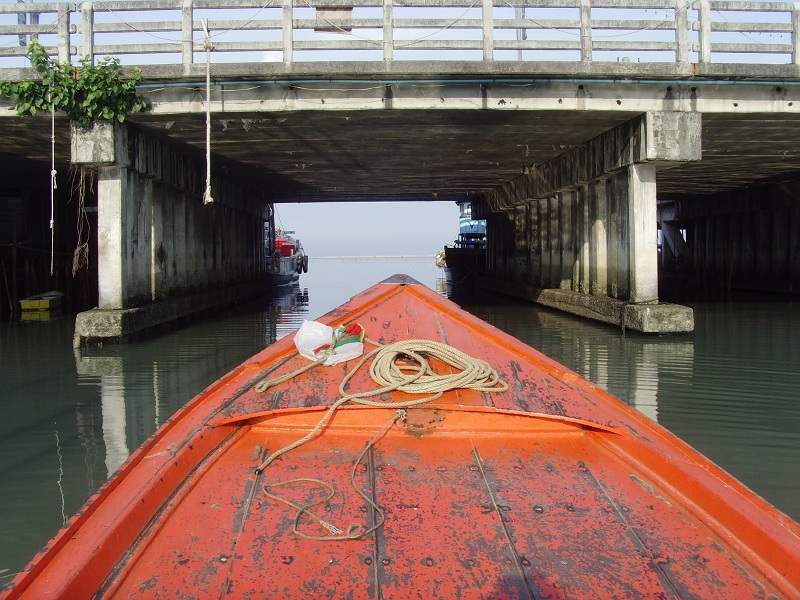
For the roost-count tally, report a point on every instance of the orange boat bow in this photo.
(552, 489)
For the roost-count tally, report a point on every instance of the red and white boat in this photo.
(287, 259)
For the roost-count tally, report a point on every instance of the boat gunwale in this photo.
(730, 499)
(142, 539)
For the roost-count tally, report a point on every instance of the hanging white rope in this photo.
(52, 182)
(207, 198)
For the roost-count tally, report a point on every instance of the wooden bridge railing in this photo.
(169, 32)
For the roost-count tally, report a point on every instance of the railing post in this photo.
(87, 31)
(796, 33)
(187, 32)
(388, 31)
(288, 31)
(488, 30)
(704, 15)
(586, 31)
(63, 33)
(681, 31)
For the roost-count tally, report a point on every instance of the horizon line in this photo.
(373, 256)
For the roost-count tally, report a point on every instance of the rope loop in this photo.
(403, 366)
(390, 367)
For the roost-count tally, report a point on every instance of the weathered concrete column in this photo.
(545, 273)
(111, 225)
(566, 234)
(535, 248)
(522, 242)
(162, 253)
(125, 201)
(582, 266)
(618, 236)
(598, 242)
(643, 220)
(598, 222)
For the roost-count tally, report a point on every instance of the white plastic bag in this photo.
(312, 339)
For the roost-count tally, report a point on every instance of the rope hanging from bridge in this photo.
(207, 198)
(52, 182)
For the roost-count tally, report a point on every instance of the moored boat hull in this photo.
(552, 489)
(287, 260)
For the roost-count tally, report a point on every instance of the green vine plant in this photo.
(86, 92)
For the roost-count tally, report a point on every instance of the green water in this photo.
(71, 417)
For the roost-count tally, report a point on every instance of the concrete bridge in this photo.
(583, 131)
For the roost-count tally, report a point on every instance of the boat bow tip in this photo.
(401, 278)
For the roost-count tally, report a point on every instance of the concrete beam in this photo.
(673, 137)
(662, 138)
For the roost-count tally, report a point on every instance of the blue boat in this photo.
(466, 256)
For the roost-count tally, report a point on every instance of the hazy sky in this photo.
(370, 228)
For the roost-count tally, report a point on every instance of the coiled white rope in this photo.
(392, 370)
(402, 366)
(388, 370)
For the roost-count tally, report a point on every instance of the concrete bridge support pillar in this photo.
(112, 224)
(643, 219)
(589, 240)
(596, 202)
(162, 254)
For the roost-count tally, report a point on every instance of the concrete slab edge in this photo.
(100, 324)
(655, 317)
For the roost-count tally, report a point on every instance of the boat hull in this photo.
(464, 263)
(277, 279)
(285, 270)
(552, 489)
(42, 302)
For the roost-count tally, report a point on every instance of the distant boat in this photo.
(466, 256)
(287, 259)
(42, 302)
(516, 479)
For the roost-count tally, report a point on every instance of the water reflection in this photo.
(289, 306)
(628, 366)
(72, 417)
(140, 385)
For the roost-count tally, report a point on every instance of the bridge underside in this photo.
(541, 160)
